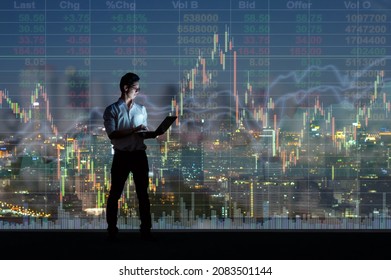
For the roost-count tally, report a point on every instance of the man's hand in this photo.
(141, 127)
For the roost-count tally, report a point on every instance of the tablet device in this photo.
(161, 129)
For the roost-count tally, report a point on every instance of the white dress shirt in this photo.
(117, 116)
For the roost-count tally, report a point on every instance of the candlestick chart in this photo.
(283, 112)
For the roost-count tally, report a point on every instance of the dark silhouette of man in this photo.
(122, 120)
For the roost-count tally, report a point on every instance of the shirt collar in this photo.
(121, 101)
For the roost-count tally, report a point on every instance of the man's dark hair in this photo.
(128, 79)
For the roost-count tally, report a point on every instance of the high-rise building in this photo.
(192, 156)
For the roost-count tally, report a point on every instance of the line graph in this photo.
(283, 108)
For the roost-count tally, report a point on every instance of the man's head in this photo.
(127, 81)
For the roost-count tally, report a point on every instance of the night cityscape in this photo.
(283, 115)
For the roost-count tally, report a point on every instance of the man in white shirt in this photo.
(122, 120)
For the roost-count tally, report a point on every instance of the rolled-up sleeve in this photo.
(109, 120)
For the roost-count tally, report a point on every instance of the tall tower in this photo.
(36, 120)
(268, 138)
(192, 157)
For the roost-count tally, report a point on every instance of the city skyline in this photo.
(283, 113)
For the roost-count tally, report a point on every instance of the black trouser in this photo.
(124, 163)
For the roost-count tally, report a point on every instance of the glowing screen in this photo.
(284, 112)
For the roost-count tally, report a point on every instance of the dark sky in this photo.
(287, 50)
